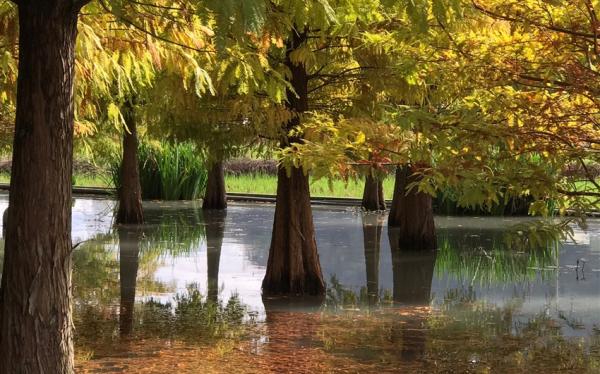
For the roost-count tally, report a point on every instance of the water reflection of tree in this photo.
(372, 227)
(462, 336)
(214, 221)
(129, 252)
(413, 275)
(104, 280)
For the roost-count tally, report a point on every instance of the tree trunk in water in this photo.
(215, 231)
(373, 194)
(129, 251)
(293, 266)
(36, 328)
(412, 213)
(372, 227)
(216, 195)
(130, 190)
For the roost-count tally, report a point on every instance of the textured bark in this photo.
(293, 266)
(372, 227)
(412, 277)
(130, 190)
(36, 328)
(214, 221)
(373, 194)
(216, 194)
(412, 213)
(129, 251)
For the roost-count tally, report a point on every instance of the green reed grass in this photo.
(168, 171)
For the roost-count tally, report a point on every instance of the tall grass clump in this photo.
(168, 171)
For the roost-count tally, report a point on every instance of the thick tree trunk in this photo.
(412, 213)
(130, 190)
(215, 231)
(129, 251)
(216, 195)
(373, 194)
(293, 266)
(36, 329)
(372, 227)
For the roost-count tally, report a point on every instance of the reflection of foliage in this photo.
(173, 231)
(191, 317)
(538, 234)
(464, 337)
(494, 256)
(339, 297)
(195, 315)
(95, 272)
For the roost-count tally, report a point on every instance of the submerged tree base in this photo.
(293, 267)
(373, 198)
(216, 194)
(411, 213)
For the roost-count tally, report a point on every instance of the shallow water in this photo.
(481, 302)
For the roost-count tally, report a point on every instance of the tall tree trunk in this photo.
(36, 328)
(373, 194)
(130, 190)
(412, 213)
(372, 227)
(215, 231)
(293, 266)
(216, 195)
(129, 251)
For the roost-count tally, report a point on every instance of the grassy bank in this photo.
(80, 180)
(252, 183)
(267, 184)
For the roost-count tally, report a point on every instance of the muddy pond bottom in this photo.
(181, 294)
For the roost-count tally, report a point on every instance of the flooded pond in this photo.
(183, 293)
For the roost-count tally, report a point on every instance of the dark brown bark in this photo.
(36, 329)
(216, 194)
(293, 266)
(412, 277)
(372, 227)
(373, 194)
(411, 213)
(130, 190)
(129, 251)
(214, 221)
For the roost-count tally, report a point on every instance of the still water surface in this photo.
(183, 291)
